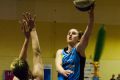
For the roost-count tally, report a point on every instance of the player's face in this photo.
(73, 36)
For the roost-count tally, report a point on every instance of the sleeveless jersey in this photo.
(72, 61)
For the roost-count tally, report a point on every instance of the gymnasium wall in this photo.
(52, 36)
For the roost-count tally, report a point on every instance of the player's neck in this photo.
(70, 47)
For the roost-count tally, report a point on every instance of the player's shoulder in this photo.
(59, 51)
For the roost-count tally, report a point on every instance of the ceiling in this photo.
(106, 12)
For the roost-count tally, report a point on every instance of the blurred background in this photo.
(53, 19)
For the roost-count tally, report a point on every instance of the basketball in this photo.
(83, 5)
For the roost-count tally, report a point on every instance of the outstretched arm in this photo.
(23, 52)
(37, 60)
(81, 46)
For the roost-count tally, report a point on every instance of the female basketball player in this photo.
(70, 61)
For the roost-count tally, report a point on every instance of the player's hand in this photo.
(66, 73)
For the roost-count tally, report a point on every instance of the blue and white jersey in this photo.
(71, 61)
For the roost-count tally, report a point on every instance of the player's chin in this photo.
(69, 41)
